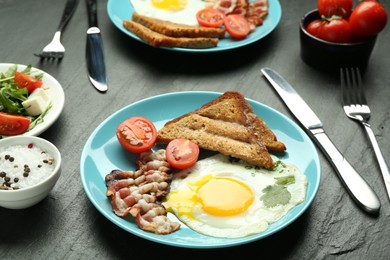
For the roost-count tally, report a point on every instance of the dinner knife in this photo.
(94, 50)
(356, 186)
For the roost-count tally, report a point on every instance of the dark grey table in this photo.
(67, 226)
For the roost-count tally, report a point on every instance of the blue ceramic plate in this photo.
(119, 10)
(102, 153)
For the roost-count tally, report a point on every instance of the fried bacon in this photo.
(241, 7)
(138, 192)
(226, 6)
(256, 13)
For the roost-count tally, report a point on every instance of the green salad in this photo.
(23, 101)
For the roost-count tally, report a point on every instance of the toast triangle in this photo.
(227, 125)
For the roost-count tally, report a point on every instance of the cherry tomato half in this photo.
(13, 124)
(368, 19)
(328, 8)
(182, 153)
(210, 17)
(137, 134)
(237, 26)
(26, 81)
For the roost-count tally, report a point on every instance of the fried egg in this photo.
(224, 198)
(177, 11)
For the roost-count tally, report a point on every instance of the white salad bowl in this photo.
(28, 196)
(55, 92)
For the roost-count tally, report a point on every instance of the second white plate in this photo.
(57, 96)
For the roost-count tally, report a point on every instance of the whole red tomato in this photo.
(314, 26)
(328, 8)
(331, 30)
(367, 19)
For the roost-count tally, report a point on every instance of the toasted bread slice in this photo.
(232, 106)
(262, 131)
(177, 30)
(225, 137)
(156, 39)
(222, 125)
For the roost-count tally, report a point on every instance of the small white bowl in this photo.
(29, 196)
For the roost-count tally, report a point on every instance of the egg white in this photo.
(258, 216)
(186, 15)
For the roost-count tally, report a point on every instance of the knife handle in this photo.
(92, 13)
(357, 187)
(70, 8)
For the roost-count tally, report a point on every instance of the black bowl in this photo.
(329, 55)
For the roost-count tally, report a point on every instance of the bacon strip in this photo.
(256, 13)
(137, 193)
(226, 6)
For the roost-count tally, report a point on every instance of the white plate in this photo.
(56, 94)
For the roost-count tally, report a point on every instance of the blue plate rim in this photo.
(224, 242)
(115, 7)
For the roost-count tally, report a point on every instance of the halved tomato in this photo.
(237, 26)
(13, 124)
(182, 153)
(210, 17)
(26, 81)
(137, 134)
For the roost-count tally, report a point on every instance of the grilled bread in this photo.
(156, 39)
(224, 125)
(232, 106)
(177, 30)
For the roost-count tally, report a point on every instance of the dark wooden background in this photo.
(67, 226)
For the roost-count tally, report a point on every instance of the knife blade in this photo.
(94, 50)
(357, 187)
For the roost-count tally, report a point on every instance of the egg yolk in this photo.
(219, 196)
(171, 5)
(225, 196)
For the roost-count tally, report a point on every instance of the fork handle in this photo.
(70, 8)
(357, 187)
(381, 160)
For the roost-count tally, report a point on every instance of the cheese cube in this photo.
(37, 102)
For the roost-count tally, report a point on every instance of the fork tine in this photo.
(360, 91)
(50, 55)
(345, 86)
(352, 87)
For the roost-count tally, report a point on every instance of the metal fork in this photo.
(55, 49)
(355, 107)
